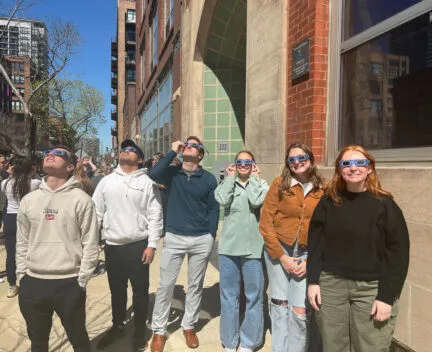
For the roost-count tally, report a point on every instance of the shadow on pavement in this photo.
(210, 308)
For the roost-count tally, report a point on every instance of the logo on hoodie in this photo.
(50, 214)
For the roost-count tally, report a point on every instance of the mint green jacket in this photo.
(240, 235)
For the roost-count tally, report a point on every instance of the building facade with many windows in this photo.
(158, 74)
(123, 68)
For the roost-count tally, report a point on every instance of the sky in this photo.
(96, 22)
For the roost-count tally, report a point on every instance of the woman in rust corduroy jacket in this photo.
(284, 224)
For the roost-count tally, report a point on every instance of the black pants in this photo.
(10, 229)
(124, 263)
(40, 298)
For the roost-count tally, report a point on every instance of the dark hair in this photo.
(72, 157)
(148, 164)
(245, 151)
(22, 173)
(198, 140)
(315, 177)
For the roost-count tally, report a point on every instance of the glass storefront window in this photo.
(386, 89)
(360, 15)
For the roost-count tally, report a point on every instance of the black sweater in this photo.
(364, 238)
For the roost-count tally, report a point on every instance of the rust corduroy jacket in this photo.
(283, 220)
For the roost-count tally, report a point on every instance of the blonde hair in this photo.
(81, 176)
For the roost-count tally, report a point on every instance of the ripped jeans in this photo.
(289, 329)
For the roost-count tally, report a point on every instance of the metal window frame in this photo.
(336, 48)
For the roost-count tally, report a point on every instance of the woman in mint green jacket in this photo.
(242, 194)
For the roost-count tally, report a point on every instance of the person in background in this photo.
(242, 194)
(81, 175)
(191, 225)
(89, 167)
(56, 252)
(15, 188)
(4, 175)
(284, 224)
(128, 203)
(358, 257)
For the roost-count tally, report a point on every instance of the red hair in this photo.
(338, 184)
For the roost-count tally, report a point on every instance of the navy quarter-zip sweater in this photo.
(192, 208)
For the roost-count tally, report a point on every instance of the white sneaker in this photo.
(244, 349)
(12, 291)
(1, 280)
(230, 350)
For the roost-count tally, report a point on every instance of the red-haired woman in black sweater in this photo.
(358, 257)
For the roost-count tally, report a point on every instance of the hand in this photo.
(300, 270)
(148, 255)
(177, 146)
(230, 170)
(381, 311)
(288, 263)
(255, 169)
(314, 295)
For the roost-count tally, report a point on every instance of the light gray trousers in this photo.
(175, 247)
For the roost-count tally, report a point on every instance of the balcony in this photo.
(114, 81)
(114, 64)
(114, 98)
(114, 48)
(113, 132)
(130, 62)
(114, 115)
(130, 38)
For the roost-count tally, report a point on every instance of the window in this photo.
(393, 95)
(143, 67)
(18, 79)
(17, 67)
(156, 120)
(154, 40)
(17, 105)
(130, 16)
(130, 75)
(21, 91)
(362, 14)
(169, 17)
(130, 35)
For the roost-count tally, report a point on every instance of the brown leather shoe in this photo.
(191, 338)
(158, 343)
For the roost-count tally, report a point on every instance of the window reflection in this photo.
(386, 89)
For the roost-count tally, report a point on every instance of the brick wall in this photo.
(306, 101)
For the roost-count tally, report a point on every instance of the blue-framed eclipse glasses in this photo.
(129, 149)
(61, 153)
(357, 162)
(243, 161)
(299, 158)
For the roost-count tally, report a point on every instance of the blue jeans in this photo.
(251, 331)
(289, 329)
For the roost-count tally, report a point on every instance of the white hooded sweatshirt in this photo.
(57, 234)
(130, 207)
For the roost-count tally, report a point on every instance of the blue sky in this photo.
(96, 22)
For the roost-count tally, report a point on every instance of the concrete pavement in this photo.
(13, 334)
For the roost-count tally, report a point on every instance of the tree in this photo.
(78, 105)
(59, 42)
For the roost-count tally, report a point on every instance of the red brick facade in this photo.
(306, 101)
(166, 52)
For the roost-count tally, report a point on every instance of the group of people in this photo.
(340, 248)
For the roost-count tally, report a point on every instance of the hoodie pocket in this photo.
(126, 225)
(47, 258)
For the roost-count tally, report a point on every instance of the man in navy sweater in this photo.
(191, 225)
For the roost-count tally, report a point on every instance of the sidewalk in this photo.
(13, 334)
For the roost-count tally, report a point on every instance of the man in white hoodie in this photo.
(129, 205)
(56, 252)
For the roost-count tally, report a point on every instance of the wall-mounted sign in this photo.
(301, 59)
(222, 147)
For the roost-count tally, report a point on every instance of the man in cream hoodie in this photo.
(129, 205)
(56, 252)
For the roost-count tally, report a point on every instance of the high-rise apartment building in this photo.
(24, 38)
(122, 65)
